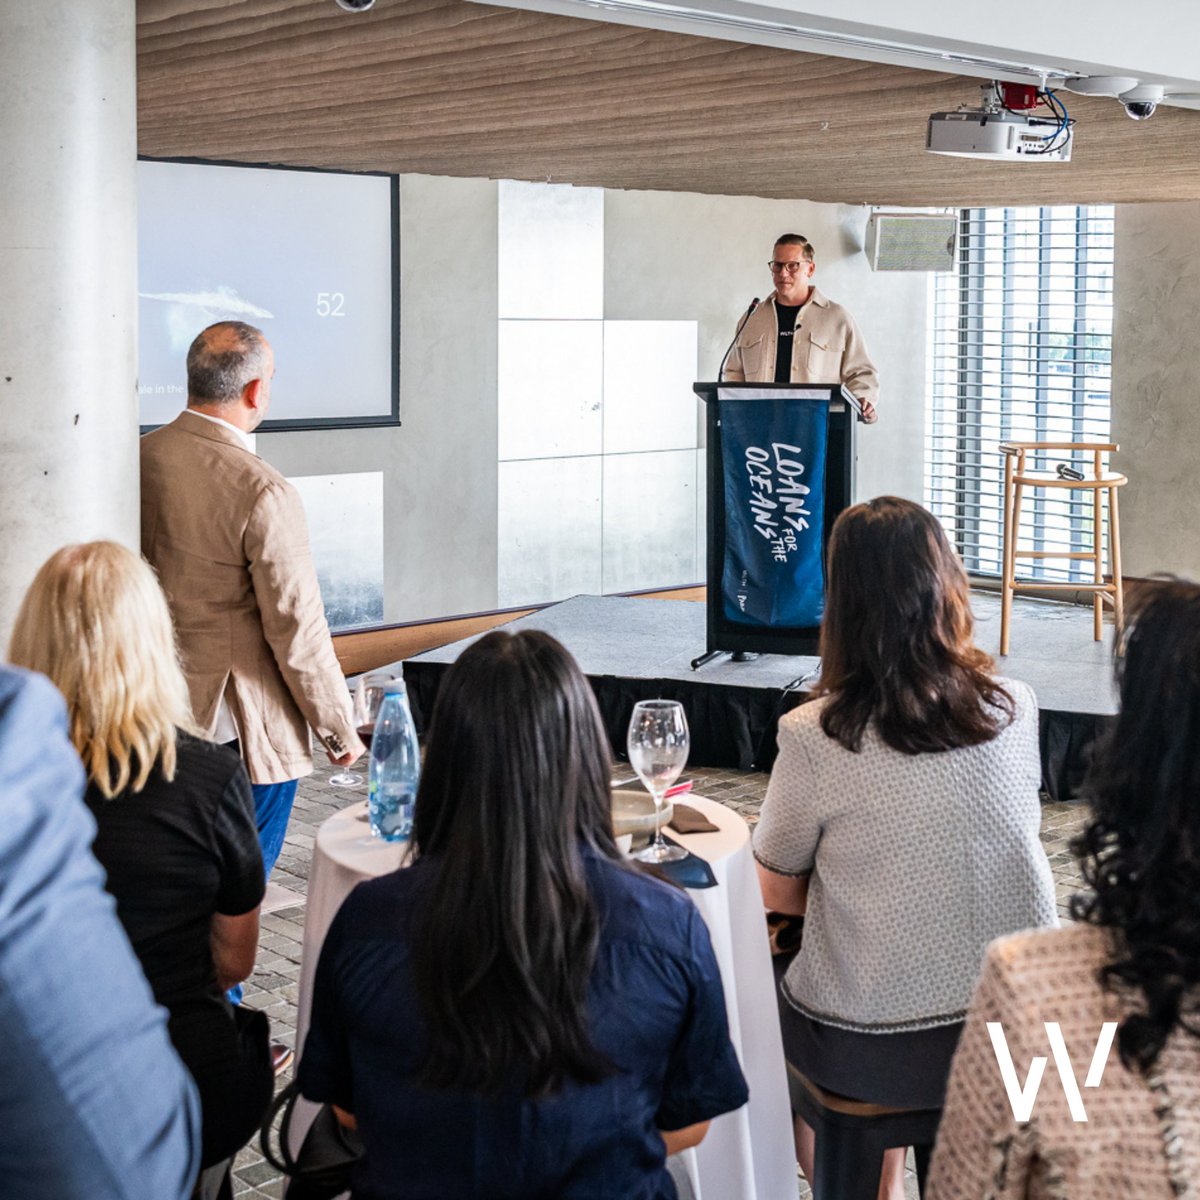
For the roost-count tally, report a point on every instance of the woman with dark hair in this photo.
(518, 1013)
(1133, 960)
(903, 812)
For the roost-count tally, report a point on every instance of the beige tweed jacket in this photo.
(1141, 1139)
(227, 535)
(827, 348)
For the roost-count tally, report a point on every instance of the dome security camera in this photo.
(1140, 110)
(1142, 101)
(355, 5)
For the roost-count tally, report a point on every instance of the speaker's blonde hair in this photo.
(96, 622)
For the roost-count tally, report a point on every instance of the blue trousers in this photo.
(272, 808)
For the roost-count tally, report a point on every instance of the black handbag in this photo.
(322, 1168)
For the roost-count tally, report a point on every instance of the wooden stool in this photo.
(1017, 478)
(851, 1136)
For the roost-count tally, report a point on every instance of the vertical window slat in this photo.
(1020, 348)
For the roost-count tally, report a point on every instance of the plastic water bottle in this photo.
(395, 767)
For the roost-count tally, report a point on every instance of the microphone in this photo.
(737, 334)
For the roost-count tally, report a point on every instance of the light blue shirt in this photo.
(94, 1102)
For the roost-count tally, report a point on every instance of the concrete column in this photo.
(68, 273)
(1156, 363)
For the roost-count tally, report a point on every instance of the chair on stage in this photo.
(851, 1136)
(1018, 477)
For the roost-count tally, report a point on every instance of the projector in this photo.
(1005, 135)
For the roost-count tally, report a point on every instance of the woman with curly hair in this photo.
(903, 811)
(1133, 961)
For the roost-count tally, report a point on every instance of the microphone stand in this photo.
(737, 334)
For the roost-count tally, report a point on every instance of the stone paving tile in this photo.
(274, 987)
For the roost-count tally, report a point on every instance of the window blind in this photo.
(1020, 349)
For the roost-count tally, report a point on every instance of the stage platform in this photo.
(635, 649)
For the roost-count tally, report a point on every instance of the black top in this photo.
(786, 315)
(657, 1011)
(175, 854)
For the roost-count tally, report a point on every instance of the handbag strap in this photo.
(284, 1162)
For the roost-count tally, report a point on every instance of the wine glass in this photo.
(343, 776)
(658, 746)
(368, 695)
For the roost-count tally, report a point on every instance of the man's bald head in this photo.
(223, 359)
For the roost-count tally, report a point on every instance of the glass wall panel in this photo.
(649, 520)
(551, 251)
(649, 368)
(549, 520)
(345, 527)
(550, 381)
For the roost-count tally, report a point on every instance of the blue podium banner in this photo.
(773, 455)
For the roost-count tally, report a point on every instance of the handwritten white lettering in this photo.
(790, 489)
(777, 474)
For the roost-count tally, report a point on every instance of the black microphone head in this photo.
(754, 304)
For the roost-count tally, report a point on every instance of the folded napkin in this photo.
(686, 819)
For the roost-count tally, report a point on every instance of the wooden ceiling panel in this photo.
(445, 87)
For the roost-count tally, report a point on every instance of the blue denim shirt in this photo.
(94, 1102)
(657, 1011)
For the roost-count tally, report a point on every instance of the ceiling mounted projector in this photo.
(998, 131)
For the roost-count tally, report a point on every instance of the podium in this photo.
(780, 468)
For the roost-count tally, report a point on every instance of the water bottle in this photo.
(395, 767)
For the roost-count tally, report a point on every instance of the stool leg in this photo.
(847, 1164)
(1114, 555)
(1007, 564)
(922, 1156)
(1097, 563)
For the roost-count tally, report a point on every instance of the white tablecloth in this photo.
(748, 1154)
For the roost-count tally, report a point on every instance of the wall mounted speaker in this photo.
(912, 241)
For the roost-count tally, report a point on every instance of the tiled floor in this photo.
(274, 987)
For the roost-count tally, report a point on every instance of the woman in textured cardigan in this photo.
(903, 809)
(1134, 959)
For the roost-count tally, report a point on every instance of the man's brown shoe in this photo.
(281, 1057)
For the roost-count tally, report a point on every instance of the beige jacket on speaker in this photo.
(827, 348)
(227, 535)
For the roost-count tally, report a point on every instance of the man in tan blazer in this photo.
(798, 335)
(227, 536)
